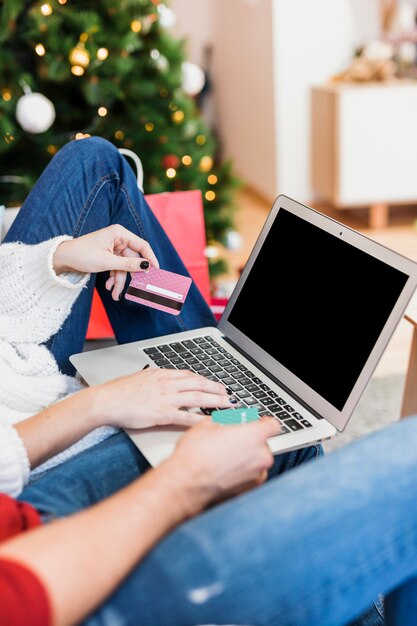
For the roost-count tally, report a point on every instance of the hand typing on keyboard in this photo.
(205, 356)
(159, 397)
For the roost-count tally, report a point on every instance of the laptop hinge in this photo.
(273, 378)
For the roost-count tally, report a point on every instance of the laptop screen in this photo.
(316, 304)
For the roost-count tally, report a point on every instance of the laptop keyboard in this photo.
(208, 358)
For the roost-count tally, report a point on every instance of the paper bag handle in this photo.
(138, 163)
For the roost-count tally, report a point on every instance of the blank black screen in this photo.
(316, 304)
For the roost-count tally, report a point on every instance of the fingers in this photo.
(138, 245)
(268, 426)
(185, 418)
(194, 382)
(118, 284)
(202, 398)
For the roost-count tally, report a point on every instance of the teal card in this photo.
(235, 416)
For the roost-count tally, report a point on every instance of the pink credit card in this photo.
(159, 289)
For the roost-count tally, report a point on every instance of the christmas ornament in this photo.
(233, 240)
(79, 56)
(193, 78)
(167, 17)
(35, 113)
(170, 160)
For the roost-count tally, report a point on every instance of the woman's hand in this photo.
(113, 249)
(158, 397)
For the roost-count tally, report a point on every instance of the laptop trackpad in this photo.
(156, 443)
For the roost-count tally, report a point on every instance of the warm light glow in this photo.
(86, 135)
(149, 127)
(46, 9)
(102, 54)
(62, 1)
(119, 134)
(52, 149)
(7, 95)
(178, 117)
(136, 26)
(83, 37)
(210, 195)
(206, 163)
(171, 173)
(102, 111)
(186, 159)
(79, 136)
(40, 49)
(8, 138)
(79, 56)
(77, 70)
(200, 140)
(212, 179)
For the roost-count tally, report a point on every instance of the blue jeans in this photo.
(307, 548)
(87, 186)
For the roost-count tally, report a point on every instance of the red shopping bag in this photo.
(181, 215)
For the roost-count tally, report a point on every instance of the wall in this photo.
(267, 55)
(312, 41)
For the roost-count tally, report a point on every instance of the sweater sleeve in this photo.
(14, 462)
(34, 301)
(23, 597)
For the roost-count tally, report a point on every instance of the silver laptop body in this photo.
(303, 331)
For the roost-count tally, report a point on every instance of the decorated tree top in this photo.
(73, 68)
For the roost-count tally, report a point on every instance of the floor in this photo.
(400, 235)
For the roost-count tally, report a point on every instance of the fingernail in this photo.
(233, 400)
(144, 265)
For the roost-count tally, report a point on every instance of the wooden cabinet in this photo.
(364, 146)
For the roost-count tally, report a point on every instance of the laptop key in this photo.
(176, 360)
(257, 380)
(298, 415)
(213, 378)
(306, 423)
(165, 348)
(268, 401)
(293, 425)
(205, 373)
(231, 368)
(191, 360)
(273, 394)
(251, 401)
(151, 350)
(196, 351)
(283, 415)
(182, 366)
(215, 368)
(283, 431)
(189, 344)
(217, 357)
(243, 394)
(288, 407)
(200, 340)
(252, 387)
(259, 394)
(178, 347)
(241, 376)
(234, 386)
(161, 362)
(222, 375)
(229, 381)
(280, 400)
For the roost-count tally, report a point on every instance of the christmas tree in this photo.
(74, 68)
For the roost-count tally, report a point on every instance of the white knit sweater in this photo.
(34, 302)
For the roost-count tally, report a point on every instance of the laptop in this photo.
(302, 333)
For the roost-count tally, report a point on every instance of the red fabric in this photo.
(23, 599)
(16, 517)
(181, 215)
